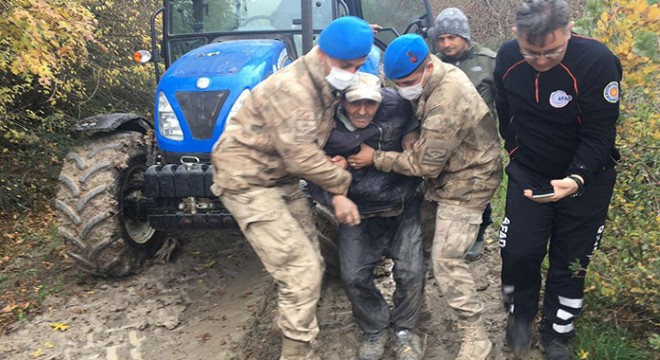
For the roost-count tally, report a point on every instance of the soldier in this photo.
(276, 139)
(558, 100)
(451, 35)
(458, 154)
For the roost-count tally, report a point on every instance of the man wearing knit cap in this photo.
(275, 139)
(451, 36)
(458, 155)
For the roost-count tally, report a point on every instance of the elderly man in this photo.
(451, 36)
(276, 139)
(558, 101)
(390, 223)
(458, 154)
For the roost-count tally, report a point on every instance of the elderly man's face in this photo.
(361, 112)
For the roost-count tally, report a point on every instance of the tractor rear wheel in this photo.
(94, 181)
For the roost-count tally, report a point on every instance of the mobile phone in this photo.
(543, 192)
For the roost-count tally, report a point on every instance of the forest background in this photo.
(64, 60)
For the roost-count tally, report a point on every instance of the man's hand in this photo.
(563, 188)
(376, 28)
(340, 161)
(364, 158)
(345, 210)
(410, 139)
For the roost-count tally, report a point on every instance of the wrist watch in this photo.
(580, 185)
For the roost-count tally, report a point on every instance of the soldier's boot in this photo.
(557, 349)
(519, 334)
(475, 251)
(372, 346)
(297, 350)
(475, 344)
(408, 345)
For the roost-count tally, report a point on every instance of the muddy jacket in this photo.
(278, 134)
(376, 192)
(478, 63)
(458, 152)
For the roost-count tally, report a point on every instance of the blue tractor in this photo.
(135, 178)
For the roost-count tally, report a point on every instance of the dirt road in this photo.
(214, 301)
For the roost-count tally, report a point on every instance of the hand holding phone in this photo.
(543, 192)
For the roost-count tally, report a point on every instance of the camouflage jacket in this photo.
(278, 134)
(458, 152)
(478, 63)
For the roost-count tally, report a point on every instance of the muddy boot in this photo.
(408, 345)
(475, 251)
(519, 334)
(557, 349)
(475, 344)
(372, 346)
(297, 350)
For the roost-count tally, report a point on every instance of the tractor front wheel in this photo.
(94, 181)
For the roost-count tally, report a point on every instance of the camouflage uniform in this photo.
(478, 63)
(273, 141)
(458, 154)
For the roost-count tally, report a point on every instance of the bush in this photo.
(625, 275)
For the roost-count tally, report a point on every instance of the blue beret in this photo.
(372, 64)
(347, 38)
(404, 55)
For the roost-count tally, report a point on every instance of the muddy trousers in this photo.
(278, 223)
(569, 231)
(360, 250)
(456, 229)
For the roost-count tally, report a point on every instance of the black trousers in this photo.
(568, 230)
(360, 250)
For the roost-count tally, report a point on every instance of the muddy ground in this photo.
(213, 300)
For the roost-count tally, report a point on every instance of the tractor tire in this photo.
(95, 179)
(327, 227)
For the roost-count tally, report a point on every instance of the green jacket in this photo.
(478, 63)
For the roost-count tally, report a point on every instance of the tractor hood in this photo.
(203, 86)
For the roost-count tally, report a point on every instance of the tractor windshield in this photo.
(222, 16)
(397, 16)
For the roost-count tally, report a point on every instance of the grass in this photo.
(598, 338)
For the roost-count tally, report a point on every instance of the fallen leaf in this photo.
(37, 353)
(63, 326)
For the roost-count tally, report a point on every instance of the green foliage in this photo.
(61, 61)
(625, 274)
(598, 340)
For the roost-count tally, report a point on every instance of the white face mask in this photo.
(412, 92)
(340, 79)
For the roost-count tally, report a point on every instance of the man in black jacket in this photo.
(558, 101)
(390, 224)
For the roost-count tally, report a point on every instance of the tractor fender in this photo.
(113, 122)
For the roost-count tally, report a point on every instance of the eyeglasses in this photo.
(550, 55)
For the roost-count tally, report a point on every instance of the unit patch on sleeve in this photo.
(611, 92)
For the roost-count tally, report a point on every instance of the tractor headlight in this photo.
(168, 124)
(237, 105)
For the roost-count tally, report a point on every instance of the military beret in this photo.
(347, 38)
(404, 55)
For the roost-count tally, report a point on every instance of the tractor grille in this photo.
(201, 110)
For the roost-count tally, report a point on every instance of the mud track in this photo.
(213, 300)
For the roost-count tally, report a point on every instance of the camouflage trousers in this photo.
(456, 229)
(278, 223)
